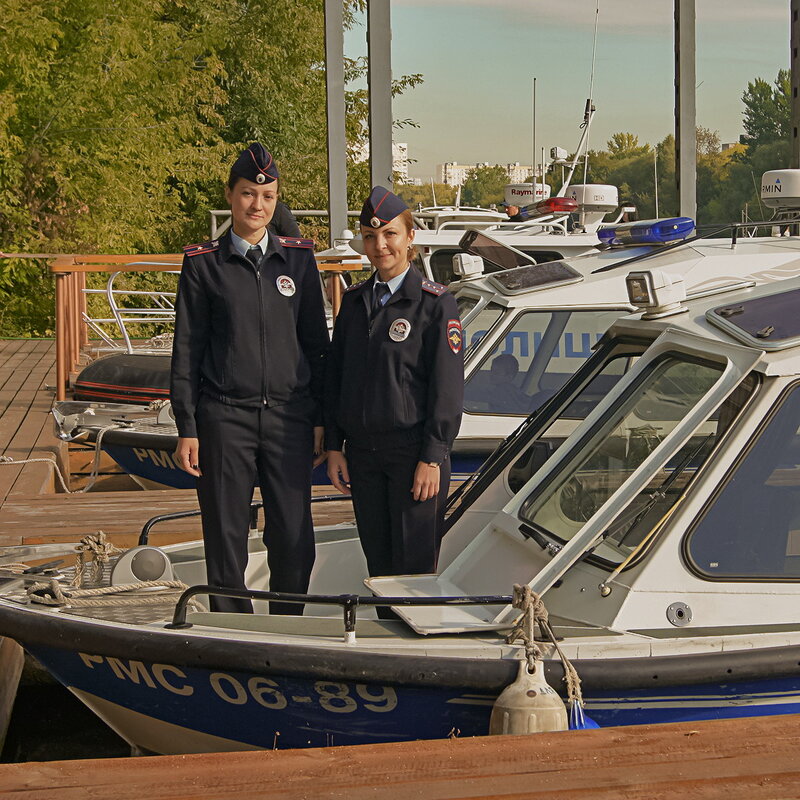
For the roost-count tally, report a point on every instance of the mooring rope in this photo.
(93, 475)
(52, 593)
(534, 612)
(94, 549)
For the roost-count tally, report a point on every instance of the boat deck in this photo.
(750, 757)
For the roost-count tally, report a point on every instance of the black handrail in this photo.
(255, 505)
(349, 602)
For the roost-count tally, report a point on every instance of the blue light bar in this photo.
(649, 231)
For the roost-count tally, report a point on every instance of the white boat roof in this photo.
(704, 265)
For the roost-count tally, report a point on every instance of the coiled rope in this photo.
(535, 613)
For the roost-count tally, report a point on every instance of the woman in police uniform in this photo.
(246, 389)
(393, 396)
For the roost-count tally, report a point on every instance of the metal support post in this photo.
(685, 108)
(337, 141)
(379, 49)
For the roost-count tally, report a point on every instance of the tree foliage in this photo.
(119, 120)
(484, 186)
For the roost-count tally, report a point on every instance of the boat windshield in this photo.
(531, 361)
(617, 445)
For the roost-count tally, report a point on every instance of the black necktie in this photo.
(254, 255)
(379, 292)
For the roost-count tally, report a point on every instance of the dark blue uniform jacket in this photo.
(247, 336)
(400, 379)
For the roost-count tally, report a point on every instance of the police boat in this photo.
(528, 327)
(648, 546)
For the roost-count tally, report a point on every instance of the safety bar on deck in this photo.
(255, 505)
(349, 602)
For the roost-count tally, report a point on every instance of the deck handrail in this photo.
(70, 271)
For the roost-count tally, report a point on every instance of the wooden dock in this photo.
(753, 758)
(32, 512)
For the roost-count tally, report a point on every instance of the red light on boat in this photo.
(556, 205)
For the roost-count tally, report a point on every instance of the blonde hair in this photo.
(408, 221)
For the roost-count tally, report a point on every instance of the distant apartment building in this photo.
(454, 174)
(399, 160)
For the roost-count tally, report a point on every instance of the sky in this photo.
(479, 57)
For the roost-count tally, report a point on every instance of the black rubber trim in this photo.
(344, 664)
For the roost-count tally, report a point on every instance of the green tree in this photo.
(767, 113)
(423, 196)
(626, 145)
(484, 185)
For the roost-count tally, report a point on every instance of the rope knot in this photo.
(94, 550)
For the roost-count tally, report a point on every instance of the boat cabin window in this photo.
(477, 325)
(533, 359)
(619, 442)
(751, 528)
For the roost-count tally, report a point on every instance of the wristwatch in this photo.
(433, 464)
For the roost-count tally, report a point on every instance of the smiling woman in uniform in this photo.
(247, 375)
(393, 396)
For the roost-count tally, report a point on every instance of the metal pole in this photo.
(794, 63)
(379, 51)
(685, 108)
(533, 159)
(337, 141)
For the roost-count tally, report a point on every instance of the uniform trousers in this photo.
(239, 448)
(399, 535)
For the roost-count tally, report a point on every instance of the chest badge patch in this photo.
(285, 285)
(399, 330)
(454, 334)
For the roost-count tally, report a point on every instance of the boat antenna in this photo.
(458, 197)
(433, 193)
(587, 115)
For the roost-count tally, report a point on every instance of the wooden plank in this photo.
(11, 660)
(753, 758)
(39, 519)
(25, 423)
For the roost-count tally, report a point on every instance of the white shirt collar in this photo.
(395, 283)
(242, 245)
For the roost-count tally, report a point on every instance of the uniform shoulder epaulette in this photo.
(199, 249)
(293, 241)
(433, 288)
(356, 285)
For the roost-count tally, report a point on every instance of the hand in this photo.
(337, 471)
(319, 451)
(426, 481)
(187, 455)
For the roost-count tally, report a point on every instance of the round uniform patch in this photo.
(285, 285)
(399, 330)
(261, 178)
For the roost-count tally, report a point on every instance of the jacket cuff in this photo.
(433, 451)
(187, 428)
(334, 439)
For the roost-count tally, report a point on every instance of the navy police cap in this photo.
(380, 207)
(255, 164)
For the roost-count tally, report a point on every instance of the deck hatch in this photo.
(769, 322)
